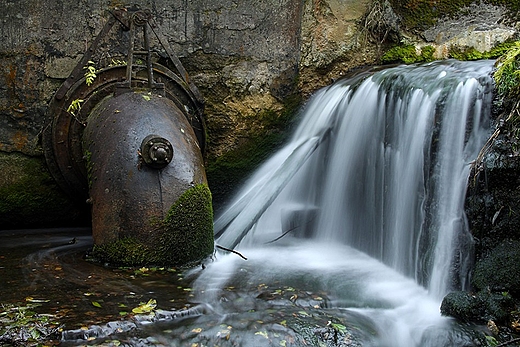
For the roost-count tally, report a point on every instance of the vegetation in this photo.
(470, 53)
(507, 87)
(184, 237)
(188, 228)
(408, 54)
(90, 73)
(499, 271)
(20, 325)
(420, 14)
(507, 74)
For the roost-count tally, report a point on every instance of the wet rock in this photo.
(461, 305)
(498, 272)
(478, 307)
(479, 26)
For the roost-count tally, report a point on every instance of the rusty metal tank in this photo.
(129, 140)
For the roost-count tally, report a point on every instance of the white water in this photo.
(374, 179)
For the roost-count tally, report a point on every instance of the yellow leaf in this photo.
(196, 330)
(145, 307)
(262, 333)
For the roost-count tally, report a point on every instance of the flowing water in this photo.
(371, 192)
(353, 231)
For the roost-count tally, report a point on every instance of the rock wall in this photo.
(254, 62)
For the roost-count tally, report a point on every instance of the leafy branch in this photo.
(90, 74)
(74, 108)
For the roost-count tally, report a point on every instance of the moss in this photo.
(184, 237)
(31, 198)
(463, 306)
(470, 53)
(125, 252)
(408, 54)
(230, 169)
(188, 228)
(421, 14)
(500, 270)
(427, 53)
(479, 307)
(507, 74)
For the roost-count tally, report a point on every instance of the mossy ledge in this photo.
(410, 54)
(183, 238)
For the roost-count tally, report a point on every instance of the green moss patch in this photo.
(498, 272)
(421, 14)
(229, 170)
(124, 252)
(407, 54)
(184, 237)
(470, 53)
(188, 228)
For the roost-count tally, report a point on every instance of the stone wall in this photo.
(254, 62)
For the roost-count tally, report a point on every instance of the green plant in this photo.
(90, 74)
(507, 74)
(75, 107)
(21, 326)
(117, 62)
(408, 54)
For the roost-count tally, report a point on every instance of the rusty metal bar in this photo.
(130, 54)
(178, 65)
(77, 73)
(151, 83)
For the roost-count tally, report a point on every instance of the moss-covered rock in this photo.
(498, 272)
(462, 305)
(184, 237)
(408, 54)
(29, 196)
(420, 14)
(478, 307)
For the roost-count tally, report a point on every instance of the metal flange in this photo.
(156, 151)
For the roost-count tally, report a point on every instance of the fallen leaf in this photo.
(145, 307)
(262, 333)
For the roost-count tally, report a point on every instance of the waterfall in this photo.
(380, 163)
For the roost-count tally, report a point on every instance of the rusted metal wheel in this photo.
(62, 134)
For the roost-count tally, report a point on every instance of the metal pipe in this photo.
(134, 150)
(142, 157)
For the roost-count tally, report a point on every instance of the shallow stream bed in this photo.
(292, 294)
